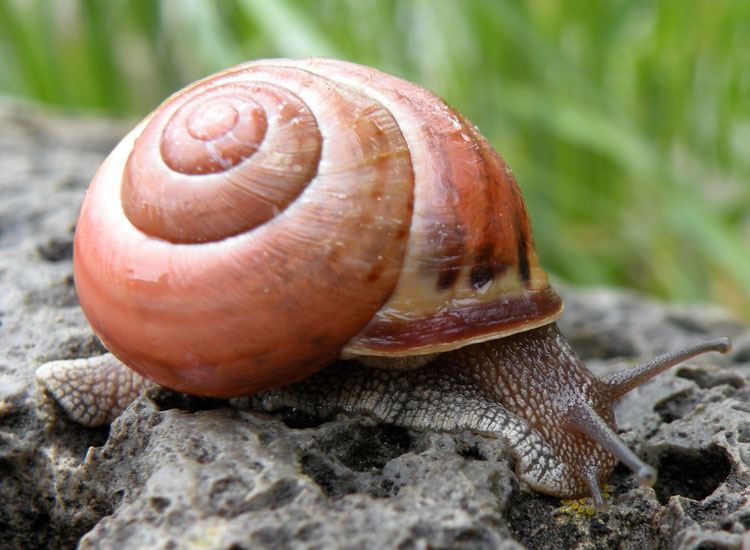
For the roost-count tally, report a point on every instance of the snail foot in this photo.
(92, 391)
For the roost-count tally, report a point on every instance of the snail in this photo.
(270, 223)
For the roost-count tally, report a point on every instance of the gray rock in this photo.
(180, 472)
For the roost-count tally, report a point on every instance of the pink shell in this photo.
(275, 216)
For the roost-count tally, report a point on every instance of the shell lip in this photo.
(448, 330)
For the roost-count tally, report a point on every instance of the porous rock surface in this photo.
(178, 472)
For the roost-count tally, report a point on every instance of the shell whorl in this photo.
(231, 155)
(271, 215)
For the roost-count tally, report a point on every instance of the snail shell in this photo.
(282, 213)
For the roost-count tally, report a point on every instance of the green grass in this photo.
(627, 124)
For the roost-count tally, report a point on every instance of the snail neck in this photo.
(537, 376)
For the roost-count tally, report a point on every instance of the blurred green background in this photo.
(627, 123)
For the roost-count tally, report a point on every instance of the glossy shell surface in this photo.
(280, 214)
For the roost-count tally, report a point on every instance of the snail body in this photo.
(281, 215)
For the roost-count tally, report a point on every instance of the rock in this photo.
(180, 472)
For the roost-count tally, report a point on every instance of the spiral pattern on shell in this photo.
(269, 216)
(264, 135)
